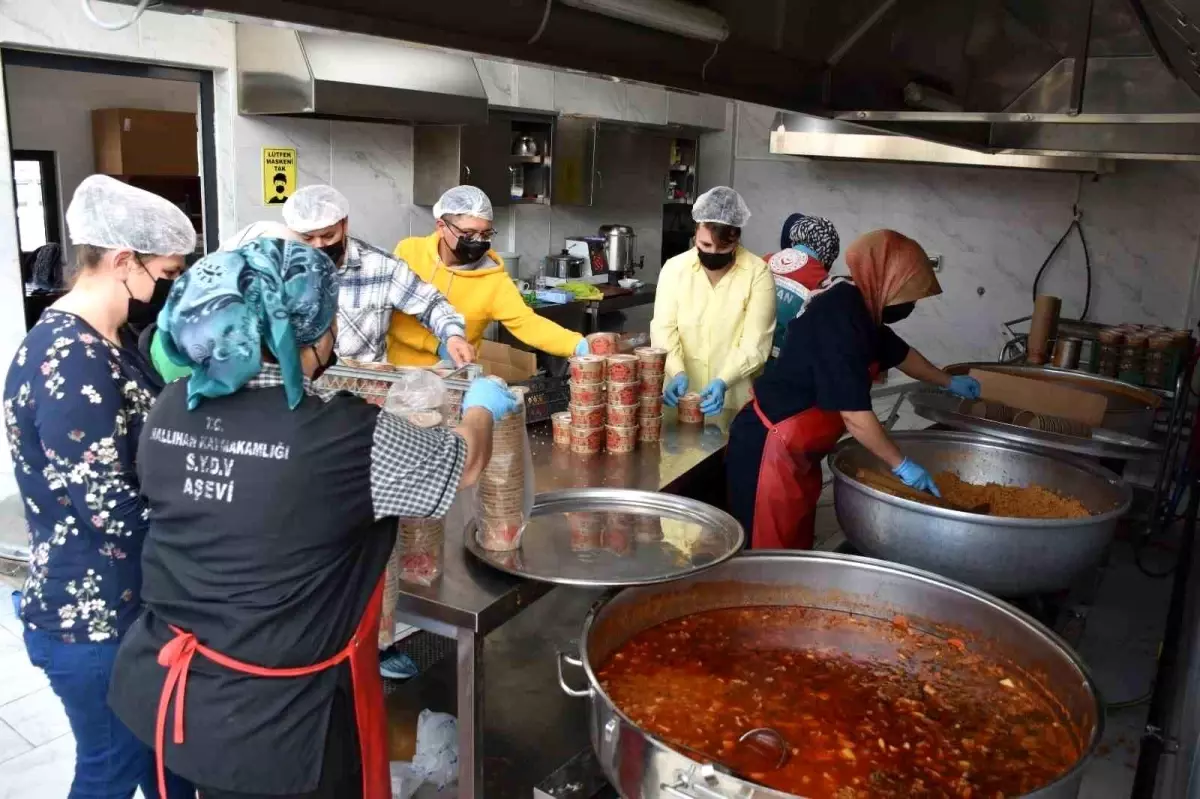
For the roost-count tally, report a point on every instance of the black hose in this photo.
(1087, 263)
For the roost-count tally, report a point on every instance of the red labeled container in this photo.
(652, 359)
(650, 405)
(651, 385)
(561, 422)
(622, 368)
(623, 415)
(586, 415)
(621, 439)
(587, 440)
(587, 369)
(689, 409)
(588, 394)
(650, 428)
(602, 343)
(624, 393)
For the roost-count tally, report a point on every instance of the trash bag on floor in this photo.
(436, 758)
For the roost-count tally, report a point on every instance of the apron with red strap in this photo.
(789, 476)
(363, 654)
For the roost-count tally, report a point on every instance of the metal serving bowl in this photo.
(640, 766)
(1004, 556)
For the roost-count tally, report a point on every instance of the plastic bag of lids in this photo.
(436, 758)
(417, 395)
(504, 491)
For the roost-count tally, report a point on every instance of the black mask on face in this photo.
(468, 252)
(896, 313)
(145, 312)
(715, 260)
(335, 251)
(323, 367)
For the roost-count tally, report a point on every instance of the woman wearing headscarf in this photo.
(808, 246)
(75, 399)
(714, 311)
(820, 387)
(254, 668)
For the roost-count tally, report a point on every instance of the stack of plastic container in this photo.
(501, 511)
(624, 392)
(652, 365)
(587, 408)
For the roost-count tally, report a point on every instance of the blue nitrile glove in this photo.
(486, 393)
(675, 389)
(582, 347)
(964, 386)
(444, 353)
(914, 476)
(712, 398)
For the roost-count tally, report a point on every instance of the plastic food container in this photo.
(623, 415)
(587, 369)
(419, 543)
(602, 343)
(622, 368)
(650, 428)
(587, 440)
(588, 394)
(689, 409)
(621, 439)
(561, 422)
(652, 359)
(650, 405)
(502, 501)
(651, 385)
(624, 393)
(586, 416)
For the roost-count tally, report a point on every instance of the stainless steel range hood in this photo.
(283, 71)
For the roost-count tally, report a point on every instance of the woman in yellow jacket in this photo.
(714, 312)
(457, 258)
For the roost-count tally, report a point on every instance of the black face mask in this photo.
(468, 252)
(323, 367)
(715, 260)
(335, 251)
(145, 312)
(896, 313)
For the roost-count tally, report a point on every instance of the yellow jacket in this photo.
(710, 332)
(481, 296)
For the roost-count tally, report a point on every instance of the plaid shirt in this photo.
(414, 472)
(371, 285)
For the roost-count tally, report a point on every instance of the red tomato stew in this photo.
(868, 708)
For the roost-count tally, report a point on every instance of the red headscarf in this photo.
(890, 268)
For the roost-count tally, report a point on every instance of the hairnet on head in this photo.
(104, 212)
(314, 207)
(229, 305)
(463, 201)
(721, 205)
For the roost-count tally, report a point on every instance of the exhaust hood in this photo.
(288, 72)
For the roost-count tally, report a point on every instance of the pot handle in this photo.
(571, 660)
(685, 789)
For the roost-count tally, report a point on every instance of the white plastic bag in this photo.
(436, 758)
(416, 391)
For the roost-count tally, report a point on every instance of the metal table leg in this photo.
(470, 714)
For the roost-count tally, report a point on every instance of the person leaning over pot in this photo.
(75, 399)
(254, 668)
(714, 311)
(820, 387)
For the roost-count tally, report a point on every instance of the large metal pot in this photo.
(640, 766)
(1130, 408)
(1004, 556)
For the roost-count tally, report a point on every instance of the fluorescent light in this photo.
(671, 16)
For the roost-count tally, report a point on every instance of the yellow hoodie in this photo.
(482, 296)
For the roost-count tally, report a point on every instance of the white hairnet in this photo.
(722, 205)
(104, 212)
(464, 201)
(258, 230)
(314, 207)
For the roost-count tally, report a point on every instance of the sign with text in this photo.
(279, 174)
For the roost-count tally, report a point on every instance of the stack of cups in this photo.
(561, 423)
(652, 364)
(588, 397)
(500, 497)
(624, 390)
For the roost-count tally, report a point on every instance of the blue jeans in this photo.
(110, 763)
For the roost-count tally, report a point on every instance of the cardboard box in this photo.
(512, 364)
(1041, 397)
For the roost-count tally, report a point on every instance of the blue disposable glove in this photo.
(675, 389)
(914, 476)
(443, 352)
(964, 386)
(486, 393)
(712, 398)
(582, 347)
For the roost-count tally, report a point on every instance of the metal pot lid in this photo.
(612, 537)
(943, 408)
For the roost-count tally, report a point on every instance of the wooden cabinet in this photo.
(136, 141)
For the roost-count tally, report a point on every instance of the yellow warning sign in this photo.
(279, 174)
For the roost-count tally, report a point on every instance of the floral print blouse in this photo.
(74, 405)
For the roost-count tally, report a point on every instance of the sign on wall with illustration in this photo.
(279, 174)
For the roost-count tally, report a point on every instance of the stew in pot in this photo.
(868, 708)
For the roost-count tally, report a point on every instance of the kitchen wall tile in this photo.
(312, 166)
(717, 112)
(225, 107)
(272, 131)
(372, 165)
(580, 94)
(207, 40)
(535, 88)
(645, 104)
(499, 81)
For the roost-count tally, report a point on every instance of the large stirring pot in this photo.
(641, 767)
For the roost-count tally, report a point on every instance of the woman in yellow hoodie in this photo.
(457, 258)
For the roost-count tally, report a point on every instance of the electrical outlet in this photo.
(936, 260)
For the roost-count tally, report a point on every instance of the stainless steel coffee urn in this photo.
(620, 244)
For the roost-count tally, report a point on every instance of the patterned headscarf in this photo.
(890, 268)
(228, 306)
(814, 233)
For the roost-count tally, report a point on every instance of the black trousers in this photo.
(341, 772)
